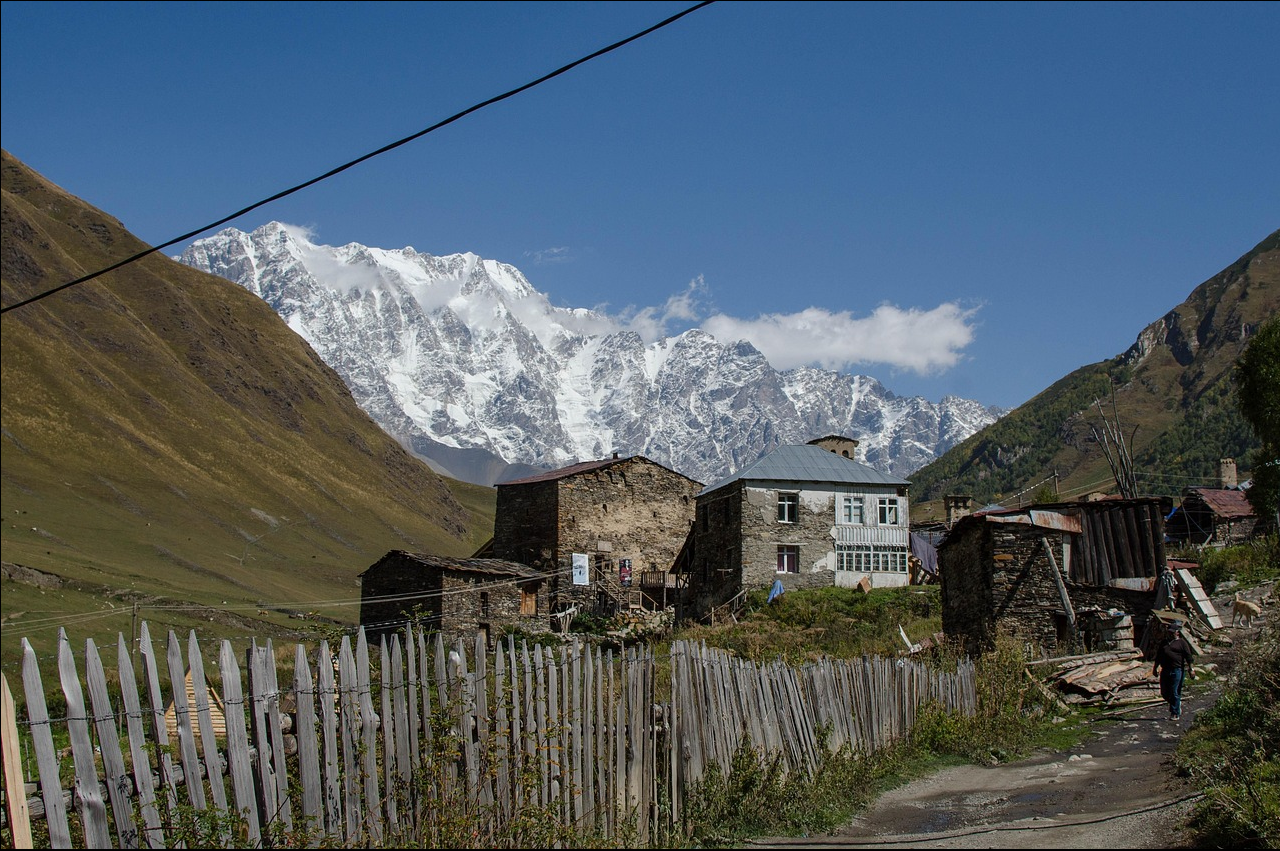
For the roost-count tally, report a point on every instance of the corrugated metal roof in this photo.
(1226, 503)
(806, 463)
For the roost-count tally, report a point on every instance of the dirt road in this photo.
(1117, 789)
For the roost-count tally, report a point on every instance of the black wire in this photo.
(359, 160)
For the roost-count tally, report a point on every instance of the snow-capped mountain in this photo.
(463, 361)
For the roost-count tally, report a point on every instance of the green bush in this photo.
(1249, 564)
(1233, 752)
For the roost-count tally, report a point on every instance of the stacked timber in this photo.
(1112, 677)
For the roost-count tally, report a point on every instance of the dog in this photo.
(1243, 611)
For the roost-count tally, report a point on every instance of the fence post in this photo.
(19, 817)
(55, 811)
(93, 811)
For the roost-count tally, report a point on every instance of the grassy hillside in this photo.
(167, 438)
(1174, 400)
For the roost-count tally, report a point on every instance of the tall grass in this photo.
(757, 798)
(1233, 751)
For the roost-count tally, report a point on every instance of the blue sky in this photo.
(961, 198)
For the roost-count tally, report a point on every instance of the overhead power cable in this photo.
(407, 139)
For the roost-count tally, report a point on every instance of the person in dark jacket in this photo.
(1173, 665)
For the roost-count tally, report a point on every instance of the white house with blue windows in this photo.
(809, 515)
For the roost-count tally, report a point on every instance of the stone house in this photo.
(1034, 571)
(459, 597)
(597, 529)
(808, 515)
(1214, 517)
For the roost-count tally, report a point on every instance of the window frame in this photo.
(788, 559)
(885, 506)
(853, 510)
(789, 504)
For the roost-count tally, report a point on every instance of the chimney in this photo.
(1227, 473)
(615, 455)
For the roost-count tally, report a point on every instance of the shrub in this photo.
(1233, 752)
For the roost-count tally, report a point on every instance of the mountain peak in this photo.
(461, 353)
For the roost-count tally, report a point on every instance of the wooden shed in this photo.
(1034, 571)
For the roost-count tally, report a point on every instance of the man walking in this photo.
(1173, 664)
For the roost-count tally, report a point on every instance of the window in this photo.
(788, 558)
(865, 558)
(788, 507)
(484, 604)
(851, 510)
(888, 511)
(528, 602)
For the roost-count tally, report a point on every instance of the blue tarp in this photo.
(776, 591)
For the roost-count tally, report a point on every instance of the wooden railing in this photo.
(415, 743)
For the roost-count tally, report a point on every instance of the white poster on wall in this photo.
(581, 569)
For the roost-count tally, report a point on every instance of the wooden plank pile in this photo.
(1110, 678)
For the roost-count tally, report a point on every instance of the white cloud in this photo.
(550, 255)
(335, 274)
(652, 323)
(923, 341)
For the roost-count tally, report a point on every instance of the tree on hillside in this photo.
(1257, 377)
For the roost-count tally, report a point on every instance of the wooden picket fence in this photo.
(413, 742)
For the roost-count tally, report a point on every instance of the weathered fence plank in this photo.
(147, 802)
(93, 810)
(116, 777)
(233, 704)
(327, 696)
(390, 750)
(400, 711)
(55, 812)
(275, 732)
(209, 742)
(308, 748)
(182, 715)
(15, 800)
(267, 788)
(151, 668)
(369, 740)
(350, 772)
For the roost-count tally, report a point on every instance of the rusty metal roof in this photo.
(1225, 503)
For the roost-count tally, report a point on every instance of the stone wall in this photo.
(998, 577)
(634, 509)
(966, 578)
(811, 533)
(524, 523)
(394, 576)
(717, 555)
(474, 603)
